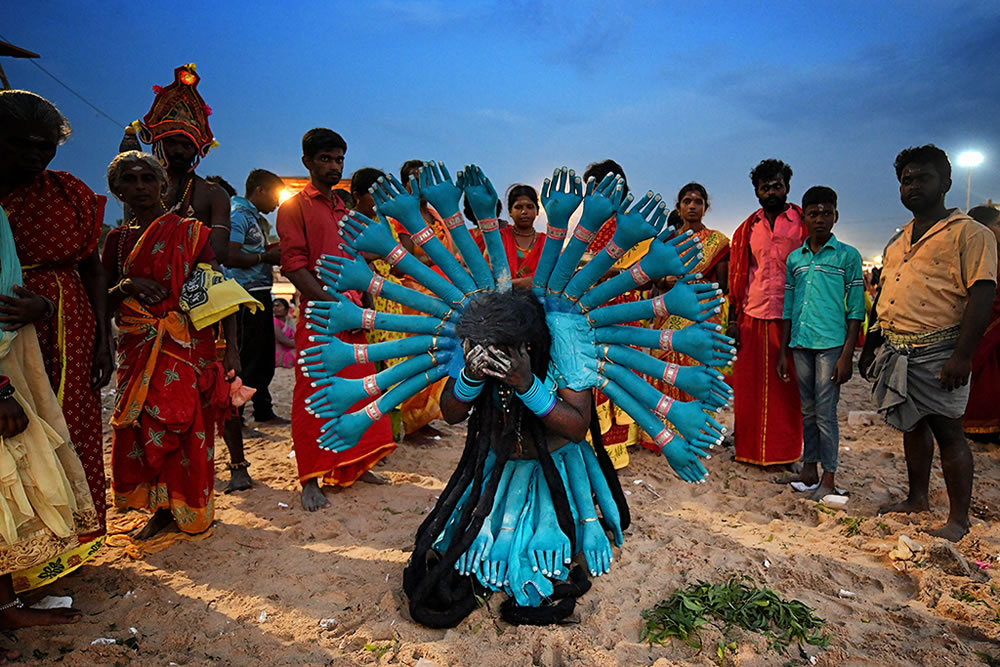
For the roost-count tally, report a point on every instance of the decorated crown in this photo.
(179, 109)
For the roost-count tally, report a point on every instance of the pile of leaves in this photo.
(736, 603)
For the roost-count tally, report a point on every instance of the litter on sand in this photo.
(54, 602)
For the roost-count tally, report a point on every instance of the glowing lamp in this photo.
(969, 159)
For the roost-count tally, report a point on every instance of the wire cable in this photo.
(66, 86)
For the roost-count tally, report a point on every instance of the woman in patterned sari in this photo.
(170, 388)
(692, 204)
(56, 221)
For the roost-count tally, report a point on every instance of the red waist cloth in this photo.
(767, 411)
(343, 468)
(982, 414)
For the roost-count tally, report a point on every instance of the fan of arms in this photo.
(592, 346)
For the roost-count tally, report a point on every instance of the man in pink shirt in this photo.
(307, 226)
(768, 424)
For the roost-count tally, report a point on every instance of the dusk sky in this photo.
(673, 91)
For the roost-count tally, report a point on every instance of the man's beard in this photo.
(774, 204)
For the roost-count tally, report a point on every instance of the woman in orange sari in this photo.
(692, 204)
(170, 388)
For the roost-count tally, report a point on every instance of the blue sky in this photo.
(674, 92)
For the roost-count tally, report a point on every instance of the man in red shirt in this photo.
(767, 421)
(307, 226)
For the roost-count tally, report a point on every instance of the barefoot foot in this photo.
(905, 507)
(313, 497)
(160, 520)
(370, 477)
(821, 492)
(11, 619)
(804, 477)
(951, 531)
(239, 480)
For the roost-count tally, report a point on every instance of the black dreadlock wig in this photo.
(439, 596)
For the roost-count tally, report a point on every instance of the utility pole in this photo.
(7, 49)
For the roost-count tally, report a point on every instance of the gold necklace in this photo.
(187, 189)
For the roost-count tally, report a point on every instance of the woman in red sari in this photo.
(170, 388)
(692, 204)
(56, 220)
(522, 243)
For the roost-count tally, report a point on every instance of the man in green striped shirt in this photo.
(823, 311)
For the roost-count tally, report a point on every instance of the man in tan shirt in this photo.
(938, 281)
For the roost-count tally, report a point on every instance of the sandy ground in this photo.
(274, 584)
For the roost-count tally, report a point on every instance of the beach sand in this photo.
(274, 584)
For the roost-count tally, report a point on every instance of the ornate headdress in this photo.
(178, 109)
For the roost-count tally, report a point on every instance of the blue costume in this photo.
(506, 522)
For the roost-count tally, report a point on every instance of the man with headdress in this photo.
(56, 221)
(767, 423)
(176, 127)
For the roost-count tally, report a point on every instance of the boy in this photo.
(938, 282)
(823, 310)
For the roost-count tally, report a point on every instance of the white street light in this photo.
(969, 159)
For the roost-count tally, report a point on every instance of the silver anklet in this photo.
(13, 604)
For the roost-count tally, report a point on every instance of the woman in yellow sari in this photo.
(692, 204)
(45, 503)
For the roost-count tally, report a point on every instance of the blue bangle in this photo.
(538, 398)
(467, 390)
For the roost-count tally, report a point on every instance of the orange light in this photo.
(285, 195)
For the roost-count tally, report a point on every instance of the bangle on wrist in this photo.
(467, 390)
(538, 398)
(6, 391)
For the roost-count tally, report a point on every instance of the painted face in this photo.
(692, 206)
(921, 188)
(819, 219)
(26, 149)
(523, 212)
(179, 151)
(326, 166)
(772, 194)
(139, 186)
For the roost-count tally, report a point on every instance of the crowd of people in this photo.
(184, 285)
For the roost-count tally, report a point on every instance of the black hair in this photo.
(819, 194)
(283, 301)
(674, 219)
(438, 596)
(987, 215)
(928, 154)
(520, 190)
(601, 169)
(363, 179)
(321, 139)
(692, 187)
(409, 165)
(222, 183)
(27, 107)
(262, 178)
(768, 169)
